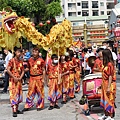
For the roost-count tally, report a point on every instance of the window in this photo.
(110, 5)
(85, 13)
(101, 3)
(108, 12)
(102, 12)
(69, 14)
(95, 12)
(85, 4)
(79, 13)
(94, 4)
(75, 24)
(78, 4)
(69, 4)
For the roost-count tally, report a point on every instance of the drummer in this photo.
(98, 62)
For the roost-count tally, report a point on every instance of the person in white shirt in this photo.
(7, 59)
(87, 69)
(113, 55)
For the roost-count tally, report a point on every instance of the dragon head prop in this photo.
(8, 19)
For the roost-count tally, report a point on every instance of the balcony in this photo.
(72, 14)
(71, 1)
(71, 9)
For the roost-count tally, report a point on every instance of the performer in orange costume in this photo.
(98, 64)
(65, 78)
(72, 66)
(108, 86)
(36, 67)
(77, 73)
(16, 71)
(54, 82)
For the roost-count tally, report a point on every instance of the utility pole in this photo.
(85, 33)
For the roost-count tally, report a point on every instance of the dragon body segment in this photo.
(13, 27)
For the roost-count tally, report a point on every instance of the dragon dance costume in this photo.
(54, 88)
(65, 80)
(77, 75)
(36, 85)
(108, 100)
(15, 88)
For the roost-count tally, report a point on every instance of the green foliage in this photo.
(53, 9)
(34, 8)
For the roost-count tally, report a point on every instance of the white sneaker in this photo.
(102, 117)
(109, 118)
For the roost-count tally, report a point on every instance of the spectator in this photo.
(113, 55)
(7, 59)
(27, 55)
(91, 51)
(40, 55)
(87, 69)
(105, 44)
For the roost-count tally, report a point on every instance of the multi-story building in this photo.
(93, 13)
(75, 8)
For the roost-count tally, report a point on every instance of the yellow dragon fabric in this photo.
(13, 27)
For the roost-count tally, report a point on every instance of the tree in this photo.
(40, 10)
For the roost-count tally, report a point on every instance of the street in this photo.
(70, 111)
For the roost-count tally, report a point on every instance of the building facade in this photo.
(76, 8)
(89, 19)
(114, 23)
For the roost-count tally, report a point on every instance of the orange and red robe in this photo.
(65, 78)
(98, 64)
(108, 100)
(15, 88)
(71, 78)
(36, 85)
(54, 92)
(77, 74)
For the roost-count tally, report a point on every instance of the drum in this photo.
(91, 86)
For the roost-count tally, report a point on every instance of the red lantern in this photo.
(33, 24)
(118, 21)
(109, 31)
(54, 20)
(41, 24)
(48, 22)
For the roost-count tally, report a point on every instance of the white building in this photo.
(75, 8)
(114, 23)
